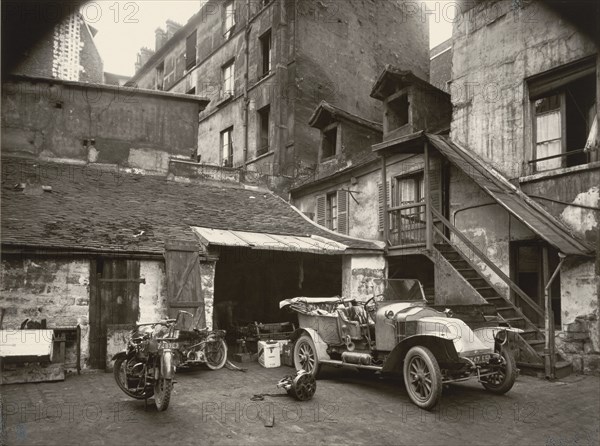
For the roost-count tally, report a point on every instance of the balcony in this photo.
(407, 225)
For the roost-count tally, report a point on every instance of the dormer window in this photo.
(330, 140)
(397, 112)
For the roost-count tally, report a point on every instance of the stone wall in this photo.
(55, 289)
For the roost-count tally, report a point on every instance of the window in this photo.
(266, 54)
(332, 211)
(190, 51)
(329, 142)
(397, 112)
(563, 104)
(264, 116)
(227, 147)
(160, 76)
(408, 189)
(228, 79)
(229, 19)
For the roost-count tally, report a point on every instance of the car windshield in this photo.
(403, 290)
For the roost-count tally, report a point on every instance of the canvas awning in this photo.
(515, 201)
(271, 242)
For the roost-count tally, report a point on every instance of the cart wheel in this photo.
(305, 356)
(303, 387)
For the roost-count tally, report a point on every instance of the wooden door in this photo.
(114, 300)
(184, 285)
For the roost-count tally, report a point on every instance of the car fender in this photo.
(489, 335)
(442, 348)
(320, 344)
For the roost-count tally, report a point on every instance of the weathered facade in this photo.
(78, 123)
(529, 106)
(258, 63)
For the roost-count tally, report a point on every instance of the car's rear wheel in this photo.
(504, 380)
(422, 377)
(305, 356)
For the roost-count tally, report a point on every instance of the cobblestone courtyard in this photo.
(215, 408)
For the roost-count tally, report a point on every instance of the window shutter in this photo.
(435, 182)
(321, 210)
(343, 212)
(380, 199)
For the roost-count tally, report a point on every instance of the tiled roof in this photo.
(108, 210)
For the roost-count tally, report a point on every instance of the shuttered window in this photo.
(332, 211)
(380, 200)
(190, 51)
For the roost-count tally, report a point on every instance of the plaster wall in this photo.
(362, 276)
(50, 119)
(489, 95)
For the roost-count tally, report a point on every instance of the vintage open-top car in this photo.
(397, 332)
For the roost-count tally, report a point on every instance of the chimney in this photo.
(172, 28)
(143, 56)
(161, 38)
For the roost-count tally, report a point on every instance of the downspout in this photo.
(549, 350)
(246, 80)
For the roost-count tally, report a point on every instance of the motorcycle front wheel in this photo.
(129, 382)
(215, 352)
(162, 393)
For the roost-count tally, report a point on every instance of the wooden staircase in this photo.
(530, 356)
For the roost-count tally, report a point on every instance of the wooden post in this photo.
(428, 216)
(549, 347)
(386, 218)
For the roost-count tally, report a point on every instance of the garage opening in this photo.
(250, 283)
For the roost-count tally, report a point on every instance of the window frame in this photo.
(331, 211)
(225, 80)
(226, 161)
(338, 138)
(266, 66)
(261, 148)
(550, 83)
(160, 68)
(229, 13)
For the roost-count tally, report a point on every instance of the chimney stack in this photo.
(172, 28)
(143, 56)
(161, 38)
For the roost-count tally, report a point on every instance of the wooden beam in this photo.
(428, 215)
(386, 218)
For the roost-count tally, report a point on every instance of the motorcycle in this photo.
(147, 367)
(203, 347)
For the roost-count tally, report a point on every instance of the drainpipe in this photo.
(549, 350)
(246, 80)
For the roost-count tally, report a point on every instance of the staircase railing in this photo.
(482, 257)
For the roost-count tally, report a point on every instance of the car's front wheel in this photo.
(305, 355)
(422, 377)
(504, 380)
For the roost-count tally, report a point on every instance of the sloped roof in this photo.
(392, 77)
(93, 209)
(515, 201)
(325, 113)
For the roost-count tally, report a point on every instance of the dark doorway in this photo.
(249, 284)
(114, 300)
(527, 273)
(414, 267)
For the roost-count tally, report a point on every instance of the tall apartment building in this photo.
(68, 52)
(265, 66)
